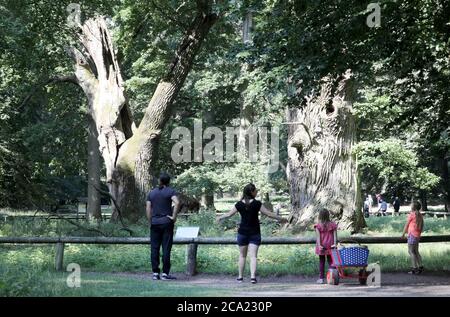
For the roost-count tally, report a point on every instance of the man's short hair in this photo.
(164, 179)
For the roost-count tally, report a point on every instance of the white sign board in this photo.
(187, 232)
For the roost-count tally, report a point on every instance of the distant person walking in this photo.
(249, 232)
(326, 238)
(414, 228)
(366, 208)
(383, 207)
(370, 200)
(162, 219)
(396, 205)
(378, 197)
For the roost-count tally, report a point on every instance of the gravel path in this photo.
(392, 285)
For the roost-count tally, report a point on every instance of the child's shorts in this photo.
(412, 239)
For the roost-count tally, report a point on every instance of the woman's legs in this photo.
(242, 259)
(253, 250)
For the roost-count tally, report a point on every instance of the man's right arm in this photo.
(148, 210)
(176, 208)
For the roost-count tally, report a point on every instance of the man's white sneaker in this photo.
(167, 277)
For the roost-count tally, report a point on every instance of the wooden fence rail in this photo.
(193, 243)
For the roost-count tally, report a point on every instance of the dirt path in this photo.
(392, 285)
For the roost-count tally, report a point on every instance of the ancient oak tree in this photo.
(322, 171)
(128, 150)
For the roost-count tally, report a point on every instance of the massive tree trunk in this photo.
(129, 152)
(322, 171)
(93, 167)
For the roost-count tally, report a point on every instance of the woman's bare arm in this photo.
(270, 214)
(228, 214)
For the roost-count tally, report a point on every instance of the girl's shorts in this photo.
(412, 239)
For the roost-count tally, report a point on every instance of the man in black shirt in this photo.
(162, 219)
(396, 205)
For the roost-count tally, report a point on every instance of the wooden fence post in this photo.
(59, 257)
(191, 259)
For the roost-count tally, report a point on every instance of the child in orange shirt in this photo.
(414, 228)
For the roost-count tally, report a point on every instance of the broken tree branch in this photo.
(57, 79)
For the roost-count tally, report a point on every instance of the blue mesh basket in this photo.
(354, 256)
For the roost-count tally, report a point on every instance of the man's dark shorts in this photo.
(243, 239)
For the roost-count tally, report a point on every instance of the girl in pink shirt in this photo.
(414, 228)
(326, 233)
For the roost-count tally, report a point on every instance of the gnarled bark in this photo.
(129, 152)
(94, 168)
(322, 171)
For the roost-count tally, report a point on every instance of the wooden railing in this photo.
(193, 243)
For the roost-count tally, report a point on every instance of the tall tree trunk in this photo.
(266, 201)
(208, 201)
(322, 171)
(446, 181)
(423, 200)
(93, 167)
(246, 111)
(129, 152)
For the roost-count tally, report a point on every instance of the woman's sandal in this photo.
(239, 279)
(253, 280)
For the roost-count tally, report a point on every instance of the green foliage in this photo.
(234, 178)
(231, 178)
(19, 280)
(389, 164)
(198, 180)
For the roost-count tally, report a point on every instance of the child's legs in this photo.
(418, 256)
(321, 266)
(329, 260)
(413, 255)
(253, 252)
(242, 259)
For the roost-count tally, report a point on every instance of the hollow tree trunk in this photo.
(129, 152)
(93, 167)
(322, 171)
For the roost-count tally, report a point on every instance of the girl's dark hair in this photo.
(416, 207)
(164, 180)
(247, 194)
(324, 216)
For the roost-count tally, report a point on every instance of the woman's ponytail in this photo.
(248, 194)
